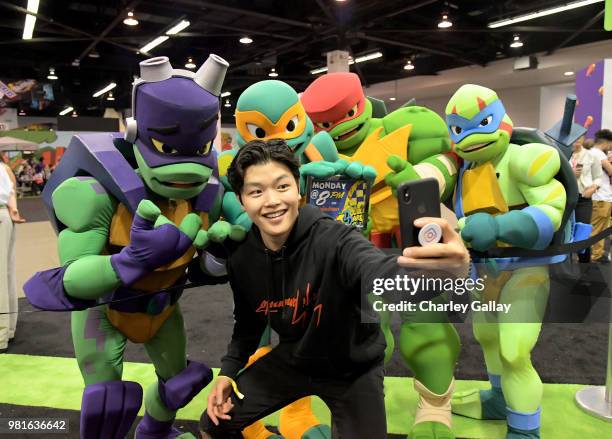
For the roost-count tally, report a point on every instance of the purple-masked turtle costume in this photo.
(131, 214)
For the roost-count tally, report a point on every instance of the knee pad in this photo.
(177, 391)
(433, 407)
(108, 409)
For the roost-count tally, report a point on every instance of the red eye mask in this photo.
(332, 97)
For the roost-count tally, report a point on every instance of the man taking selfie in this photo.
(303, 273)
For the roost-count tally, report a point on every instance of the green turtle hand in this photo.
(219, 232)
(480, 231)
(360, 171)
(401, 171)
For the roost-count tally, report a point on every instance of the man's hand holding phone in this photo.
(441, 246)
(450, 254)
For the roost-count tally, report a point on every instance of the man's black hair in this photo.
(257, 152)
(602, 136)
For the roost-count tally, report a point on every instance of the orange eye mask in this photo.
(252, 124)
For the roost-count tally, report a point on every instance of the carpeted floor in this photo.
(565, 353)
(31, 208)
(61, 375)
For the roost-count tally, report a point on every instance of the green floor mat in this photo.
(56, 382)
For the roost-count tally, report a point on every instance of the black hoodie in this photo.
(311, 294)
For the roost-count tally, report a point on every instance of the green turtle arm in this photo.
(326, 146)
(428, 145)
(86, 209)
(442, 167)
(228, 205)
(533, 166)
(550, 198)
(216, 211)
(233, 211)
(429, 134)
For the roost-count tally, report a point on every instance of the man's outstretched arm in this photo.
(360, 262)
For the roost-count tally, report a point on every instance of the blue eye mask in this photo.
(487, 121)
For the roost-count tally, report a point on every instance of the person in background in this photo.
(38, 166)
(9, 215)
(25, 177)
(38, 179)
(588, 172)
(602, 198)
(47, 173)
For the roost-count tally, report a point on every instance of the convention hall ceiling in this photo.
(88, 45)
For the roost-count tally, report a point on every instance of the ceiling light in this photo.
(190, 64)
(52, 74)
(76, 63)
(93, 54)
(272, 73)
(391, 99)
(227, 103)
(246, 40)
(445, 23)
(543, 13)
(108, 88)
(74, 114)
(179, 27)
(409, 65)
(65, 111)
(351, 61)
(30, 20)
(21, 113)
(516, 42)
(568, 73)
(156, 42)
(226, 94)
(110, 97)
(319, 70)
(130, 19)
(367, 57)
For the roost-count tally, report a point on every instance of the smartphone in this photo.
(416, 199)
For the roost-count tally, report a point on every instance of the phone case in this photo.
(416, 199)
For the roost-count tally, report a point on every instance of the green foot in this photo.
(431, 430)
(515, 433)
(317, 432)
(480, 404)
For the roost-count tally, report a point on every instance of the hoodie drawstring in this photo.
(270, 278)
(268, 283)
(283, 267)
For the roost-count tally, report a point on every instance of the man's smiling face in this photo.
(270, 196)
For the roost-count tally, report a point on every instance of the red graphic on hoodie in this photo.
(300, 303)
